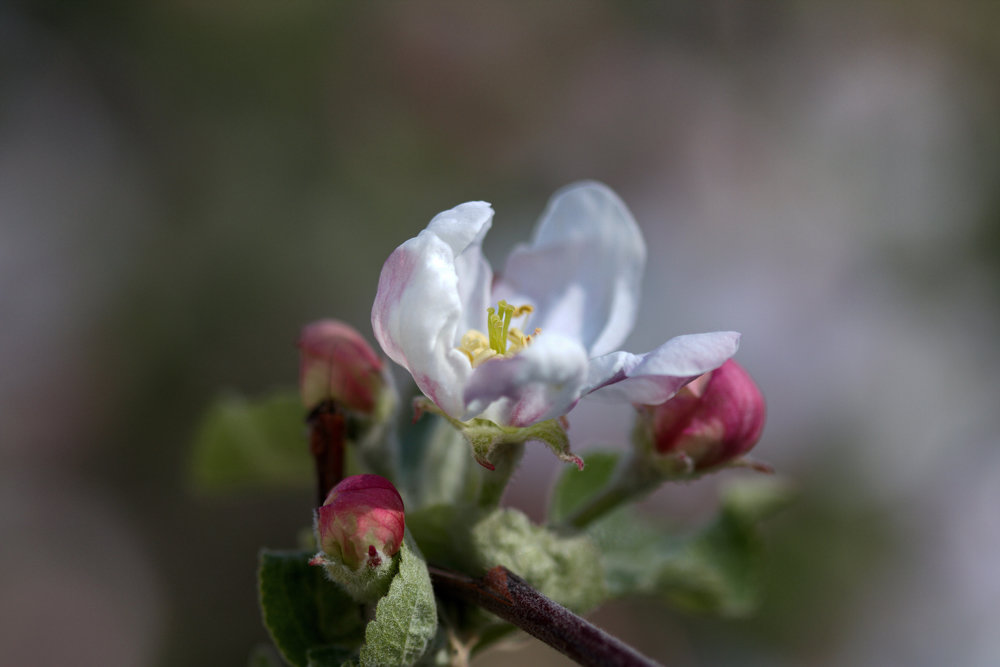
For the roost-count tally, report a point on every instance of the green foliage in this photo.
(716, 569)
(331, 656)
(264, 656)
(566, 569)
(574, 487)
(406, 618)
(242, 443)
(304, 611)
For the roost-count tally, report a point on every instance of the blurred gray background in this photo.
(184, 184)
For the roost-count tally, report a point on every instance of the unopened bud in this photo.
(712, 421)
(359, 530)
(361, 521)
(337, 364)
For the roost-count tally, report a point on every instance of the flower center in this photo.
(501, 339)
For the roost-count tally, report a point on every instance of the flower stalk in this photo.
(494, 482)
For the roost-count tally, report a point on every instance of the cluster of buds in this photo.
(711, 422)
(359, 530)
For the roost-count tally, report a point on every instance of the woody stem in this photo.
(506, 595)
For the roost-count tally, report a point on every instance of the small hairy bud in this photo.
(361, 523)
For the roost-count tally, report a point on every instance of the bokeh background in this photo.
(184, 184)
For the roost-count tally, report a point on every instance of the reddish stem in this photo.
(506, 595)
(327, 429)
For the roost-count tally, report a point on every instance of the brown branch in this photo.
(508, 596)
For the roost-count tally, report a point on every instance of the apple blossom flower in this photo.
(712, 421)
(527, 345)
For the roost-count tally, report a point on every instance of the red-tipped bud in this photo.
(361, 522)
(337, 364)
(712, 421)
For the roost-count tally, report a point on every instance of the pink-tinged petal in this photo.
(542, 382)
(582, 271)
(421, 307)
(656, 376)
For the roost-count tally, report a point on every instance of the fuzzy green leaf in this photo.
(576, 486)
(716, 569)
(243, 443)
(406, 618)
(567, 569)
(301, 609)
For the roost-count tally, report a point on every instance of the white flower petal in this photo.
(463, 228)
(654, 377)
(422, 301)
(582, 271)
(542, 382)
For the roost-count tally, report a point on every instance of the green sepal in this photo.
(365, 584)
(302, 610)
(242, 443)
(566, 569)
(487, 437)
(406, 618)
(575, 487)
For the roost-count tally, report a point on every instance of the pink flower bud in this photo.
(711, 421)
(361, 522)
(337, 364)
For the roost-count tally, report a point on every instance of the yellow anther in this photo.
(523, 310)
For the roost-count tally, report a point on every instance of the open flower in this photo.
(525, 346)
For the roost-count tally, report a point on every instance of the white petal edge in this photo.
(654, 377)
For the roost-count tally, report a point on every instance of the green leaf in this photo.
(567, 569)
(576, 486)
(716, 569)
(406, 618)
(243, 443)
(301, 609)
(331, 656)
(633, 552)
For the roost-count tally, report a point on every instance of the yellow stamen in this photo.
(500, 339)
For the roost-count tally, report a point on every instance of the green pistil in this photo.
(498, 325)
